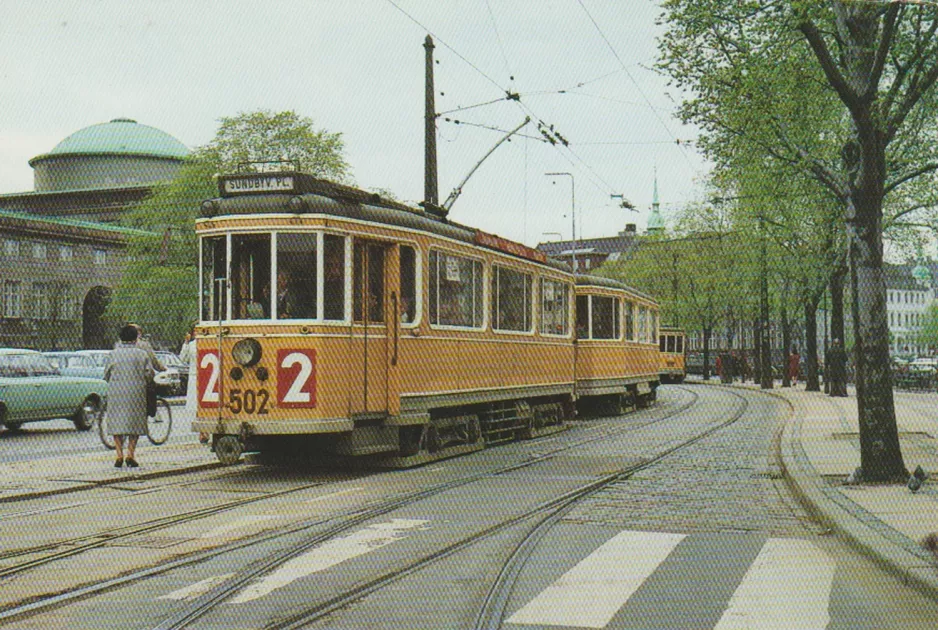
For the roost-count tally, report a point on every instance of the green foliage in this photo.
(159, 286)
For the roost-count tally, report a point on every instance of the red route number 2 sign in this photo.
(296, 379)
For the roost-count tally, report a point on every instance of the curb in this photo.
(81, 486)
(896, 553)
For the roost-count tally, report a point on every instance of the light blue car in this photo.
(33, 389)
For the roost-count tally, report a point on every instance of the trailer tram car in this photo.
(671, 342)
(335, 323)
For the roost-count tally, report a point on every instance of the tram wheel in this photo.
(228, 449)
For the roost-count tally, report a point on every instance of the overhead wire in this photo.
(629, 74)
(564, 144)
(437, 38)
(501, 46)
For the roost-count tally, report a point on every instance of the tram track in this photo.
(550, 511)
(344, 522)
(495, 603)
(81, 544)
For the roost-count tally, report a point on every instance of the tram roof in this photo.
(586, 280)
(300, 193)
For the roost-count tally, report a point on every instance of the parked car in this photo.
(32, 389)
(924, 364)
(177, 373)
(77, 363)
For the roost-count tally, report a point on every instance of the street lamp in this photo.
(572, 211)
(557, 234)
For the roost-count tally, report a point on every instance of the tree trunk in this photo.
(813, 384)
(880, 452)
(706, 353)
(837, 306)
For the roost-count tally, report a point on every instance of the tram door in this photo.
(374, 329)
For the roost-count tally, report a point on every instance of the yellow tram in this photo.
(338, 323)
(671, 342)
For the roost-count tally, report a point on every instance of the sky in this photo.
(356, 67)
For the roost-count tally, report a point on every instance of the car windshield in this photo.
(24, 365)
(169, 359)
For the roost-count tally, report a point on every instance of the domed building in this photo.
(119, 153)
(62, 252)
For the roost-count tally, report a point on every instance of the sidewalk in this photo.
(820, 448)
(43, 477)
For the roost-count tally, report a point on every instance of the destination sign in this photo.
(259, 183)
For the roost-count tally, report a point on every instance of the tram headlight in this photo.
(246, 352)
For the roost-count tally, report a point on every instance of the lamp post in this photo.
(572, 211)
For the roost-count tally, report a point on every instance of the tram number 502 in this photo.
(296, 383)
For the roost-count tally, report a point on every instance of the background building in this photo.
(62, 251)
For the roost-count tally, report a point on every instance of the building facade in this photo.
(63, 252)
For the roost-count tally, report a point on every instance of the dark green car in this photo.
(32, 389)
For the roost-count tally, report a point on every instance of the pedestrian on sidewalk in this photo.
(128, 373)
(189, 355)
(837, 369)
(794, 366)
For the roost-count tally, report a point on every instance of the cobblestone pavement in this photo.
(728, 481)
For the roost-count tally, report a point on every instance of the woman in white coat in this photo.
(189, 355)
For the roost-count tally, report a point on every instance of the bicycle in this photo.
(159, 425)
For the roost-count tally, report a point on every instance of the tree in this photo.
(159, 287)
(879, 62)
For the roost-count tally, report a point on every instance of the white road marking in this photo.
(333, 495)
(788, 585)
(238, 523)
(194, 590)
(331, 554)
(590, 594)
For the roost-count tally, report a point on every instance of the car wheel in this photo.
(13, 426)
(85, 416)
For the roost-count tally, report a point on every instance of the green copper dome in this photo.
(121, 136)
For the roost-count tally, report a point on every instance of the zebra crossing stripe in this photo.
(787, 586)
(330, 554)
(590, 594)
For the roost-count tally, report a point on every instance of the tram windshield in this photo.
(274, 276)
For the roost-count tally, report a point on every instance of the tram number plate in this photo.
(249, 401)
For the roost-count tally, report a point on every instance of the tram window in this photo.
(653, 331)
(368, 275)
(408, 305)
(214, 267)
(663, 343)
(629, 321)
(679, 346)
(334, 277)
(455, 291)
(511, 300)
(250, 276)
(605, 317)
(582, 317)
(296, 275)
(642, 324)
(672, 341)
(555, 300)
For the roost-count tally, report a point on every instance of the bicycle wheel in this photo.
(160, 425)
(106, 438)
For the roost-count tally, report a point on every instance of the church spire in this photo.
(655, 220)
